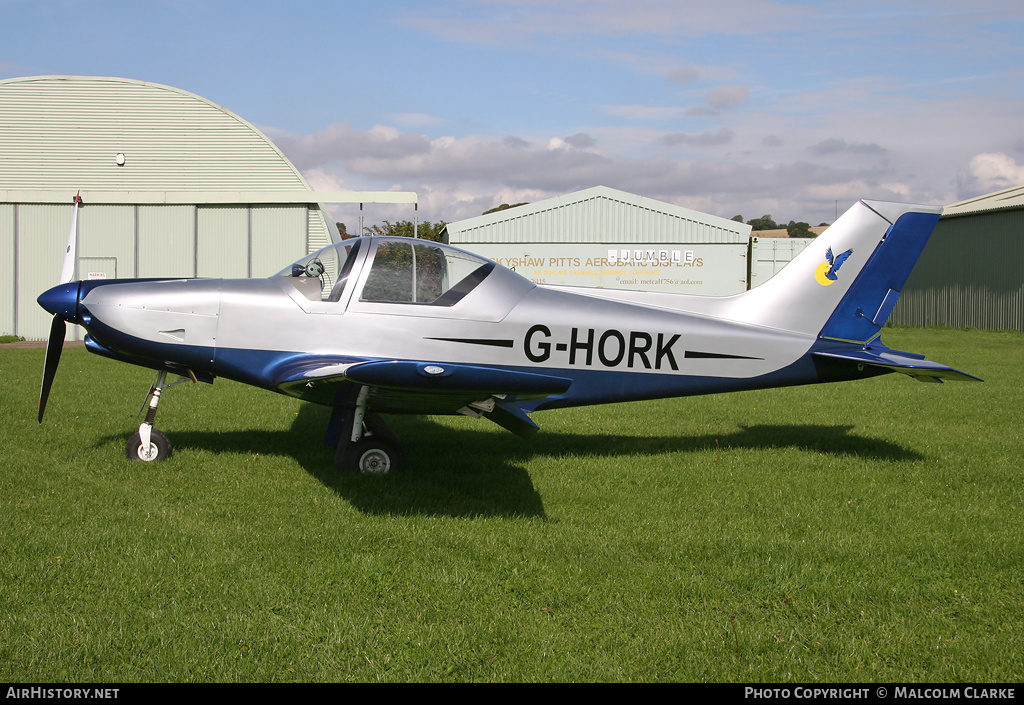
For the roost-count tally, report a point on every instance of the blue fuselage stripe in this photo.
(261, 368)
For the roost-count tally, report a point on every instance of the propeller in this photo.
(58, 328)
(54, 347)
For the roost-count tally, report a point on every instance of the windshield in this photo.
(321, 276)
(419, 272)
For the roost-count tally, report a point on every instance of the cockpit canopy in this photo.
(402, 270)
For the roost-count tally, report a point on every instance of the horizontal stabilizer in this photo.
(920, 369)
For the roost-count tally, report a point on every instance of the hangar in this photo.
(971, 273)
(172, 185)
(608, 238)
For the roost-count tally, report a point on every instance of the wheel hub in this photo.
(374, 462)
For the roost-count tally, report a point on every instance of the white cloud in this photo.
(752, 161)
(703, 139)
(419, 120)
(989, 172)
(320, 180)
(727, 96)
(461, 177)
(835, 145)
(340, 142)
(686, 74)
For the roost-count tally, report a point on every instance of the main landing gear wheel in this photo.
(365, 443)
(159, 447)
(372, 457)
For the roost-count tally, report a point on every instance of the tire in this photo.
(159, 446)
(375, 458)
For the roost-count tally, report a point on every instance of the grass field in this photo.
(867, 531)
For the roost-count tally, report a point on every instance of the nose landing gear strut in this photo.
(148, 444)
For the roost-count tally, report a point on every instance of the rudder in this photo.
(866, 307)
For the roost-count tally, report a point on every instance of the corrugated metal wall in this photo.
(167, 241)
(768, 255)
(317, 235)
(238, 243)
(129, 241)
(104, 232)
(970, 275)
(276, 233)
(703, 269)
(8, 269)
(222, 242)
(39, 259)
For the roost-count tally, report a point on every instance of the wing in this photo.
(412, 386)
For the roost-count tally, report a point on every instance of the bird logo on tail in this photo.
(826, 271)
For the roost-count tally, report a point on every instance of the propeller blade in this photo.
(67, 272)
(58, 328)
(54, 347)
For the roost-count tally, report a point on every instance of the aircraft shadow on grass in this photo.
(468, 473)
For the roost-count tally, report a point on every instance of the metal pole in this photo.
(415, 278)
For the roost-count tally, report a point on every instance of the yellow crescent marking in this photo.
(820, 272)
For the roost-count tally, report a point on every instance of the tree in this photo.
(795, 229)
(404, 228)
(504, 207)
(765, 222)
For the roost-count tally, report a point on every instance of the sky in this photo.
(733, 107)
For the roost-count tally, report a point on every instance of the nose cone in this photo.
(61, 300)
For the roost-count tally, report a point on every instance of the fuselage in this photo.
(612, 350)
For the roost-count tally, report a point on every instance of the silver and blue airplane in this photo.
(380, 325)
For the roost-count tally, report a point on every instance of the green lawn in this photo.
(866, 531)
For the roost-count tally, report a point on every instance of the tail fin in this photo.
(846, 283)
(844, 286)
(873, 295)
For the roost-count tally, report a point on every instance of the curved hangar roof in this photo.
(119, 134)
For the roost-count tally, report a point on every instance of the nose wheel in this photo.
(148, 444)
(159, 447)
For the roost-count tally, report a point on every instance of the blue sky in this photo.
(730, 107)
